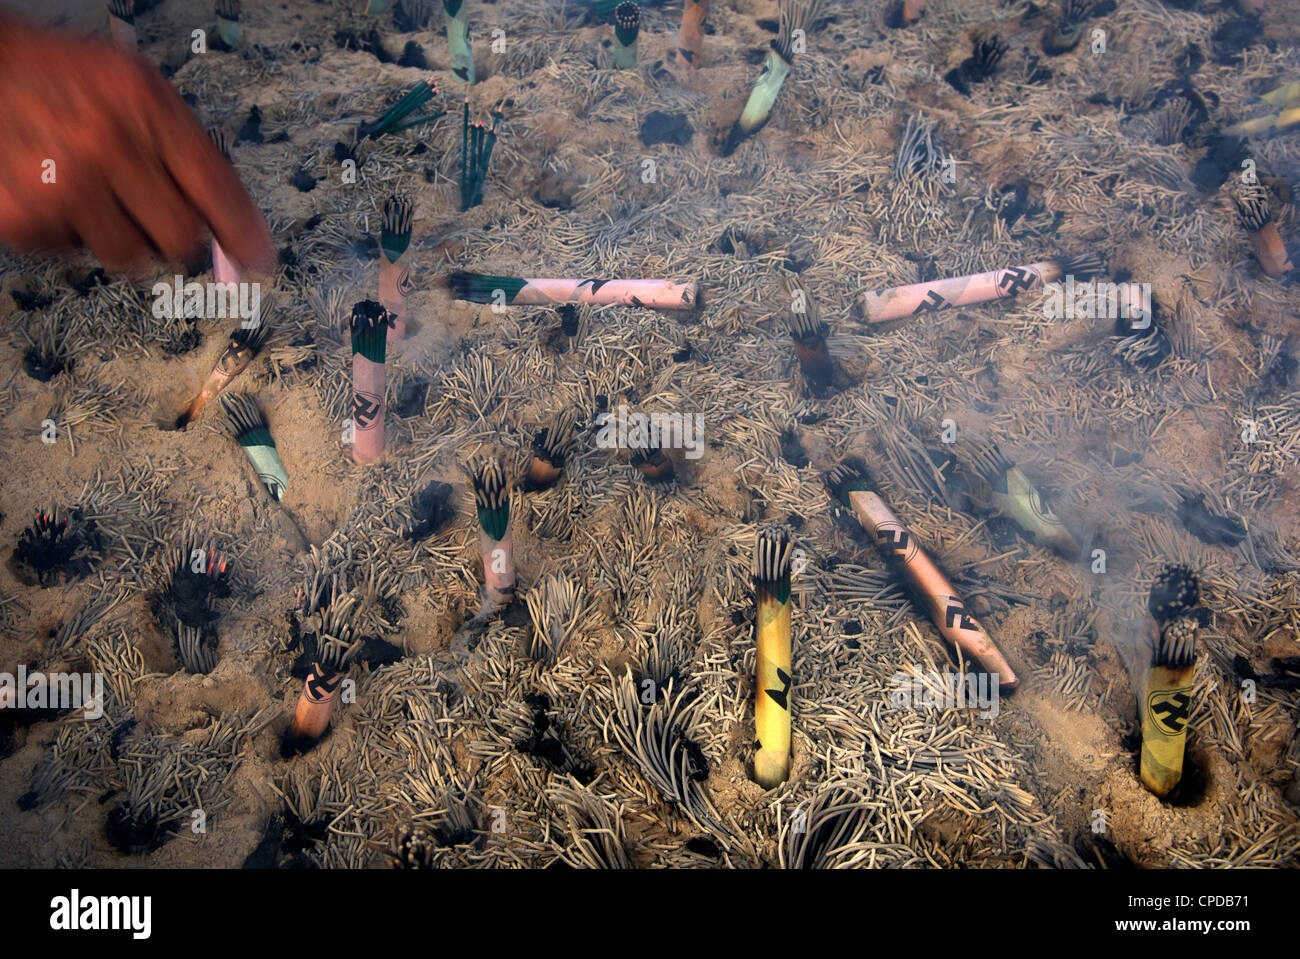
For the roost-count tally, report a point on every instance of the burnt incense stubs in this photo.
(194, 576)
(56, 548)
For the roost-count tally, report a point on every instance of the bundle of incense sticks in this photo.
(627, 25)
(394, 278)
(477, 141)
(462, 57)
(1286, 99)
(796, 16)
(1016, 497)
(901, 301)
(239, 352)
(551, 446)
(195, 574)
(653, 463)
(394, 118)
(1270, 251)
(1069, 28)
(519, 291)
(335, 650)
(772, 633)
(496, 543)
(121, 23)
(224, 269)
(370, 325)
(228, 22)
(809, 335)
(248, 426)
(906, 13)
(851, 484)
(690, 42)
(1166, 702)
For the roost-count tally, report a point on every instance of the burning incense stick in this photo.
(394, 278)
(370, 325)
(477, 142)
(627, 24)
(690, 42)
(518, 291)
(1069, 28)
(809, 335)
(121, 23)
(905, 14)
(1167, 694)
(496, 543)
(224, 269)
(462, 57)
(902, 301)
(394, 118)
(249, 427)
(1016, 497)
(239, 352)
(335, 650)
(551, 446)
(796, 16)
(1270, 251)
(772, 633)
(228, 22)
(850, 483)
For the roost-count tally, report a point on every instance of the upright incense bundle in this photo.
(248, 425)
(496, 544)
(476, 144)
(809, 335)
(195, 574)
(1069, 28)
(796, 17)
(394, 278)
(551, 446)
(335, 650)
(772, 633)
(228, 22)
(394, 118)
(1016, 497)
(627, 25)
(850, 483)
(520, 291)
(690, 43)
(901, 301)
(1270, 251)
(462, 58)
(224, 269)
(370, 325)
(1166, 702)
(239, 352)
(121, 23)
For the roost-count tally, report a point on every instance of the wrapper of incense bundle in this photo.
(121, 23)
(370, 326)
(394, 278)
(462, 57)
(239, 352)
(247, 424)
(496, 544)
(1166, 702)
(883, 306)
(1016, 497)
(850, 483)
(627, 26)
(809, 335)
(228, 22)
(519, 291)
(797, 17)
(690, 42)
(772, 635)
(335, 650)
(1265, 240)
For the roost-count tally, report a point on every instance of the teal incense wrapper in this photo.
(228, 22)
(627, 26)
(250, 429)
(462, 57)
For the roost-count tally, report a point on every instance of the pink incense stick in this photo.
(369, 380)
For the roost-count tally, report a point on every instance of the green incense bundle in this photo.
(249, 427)
(395, 232)
(462, 57)
(796, 17)
(228, 22)
(492, 498)
(370, 323)
(375, 7)
(393, 117)
(627, 25)
(476, 145)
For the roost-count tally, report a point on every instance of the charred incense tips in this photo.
(246, 423)
(902, 301)
(462, 57)
(121, 23)
(56, 548)
(690, 41)
(496, 544)
(518, 291)
(797, 17)
(772, 634)
(551, 446)
(1069, 28)
(394, 278)
(979, 66)
(194, 576)
(653, 463)
(905, 13)
(1014, 496)
(1270, 251)
(228, 22)
(850, 483)
(394, 118)
(809, 335)
(477, 142)
(335, 649)
(627, 24)
(370, 326)
(244, 345)
(1166, 701)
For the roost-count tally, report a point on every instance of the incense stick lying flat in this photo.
(520, 291)
(902, 301)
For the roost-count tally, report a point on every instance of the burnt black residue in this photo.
(53, 550)
(413, 56)
(544, 741)
(251, 131)
(1100, 853)
(304, 181)
(1231, 38)
(410, 399)
(1223, 156)
(1206, 525)
(135, 838)
(703, 847)
(182, 340)
(660, 127)
(364, 248)
(84, 284)
(366, 42)
(30, 301)
(431, 511)
(43, 365)
(792, 450)
(979, 66)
